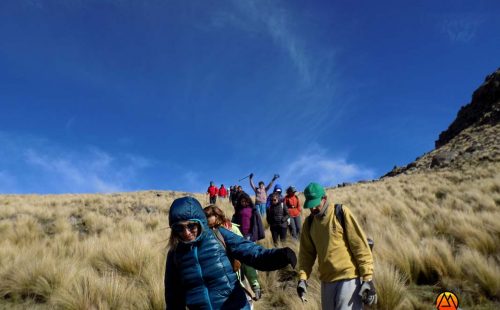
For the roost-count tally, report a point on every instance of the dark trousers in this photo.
(295, 227)
(213, 200)
(278, 231)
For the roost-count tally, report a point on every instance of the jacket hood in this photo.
(185, 209)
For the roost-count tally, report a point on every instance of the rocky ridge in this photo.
(472, 138)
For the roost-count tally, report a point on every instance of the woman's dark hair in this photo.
(242, 196)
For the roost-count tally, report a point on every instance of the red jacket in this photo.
(222, 192)
(293, 204)
(212, 190)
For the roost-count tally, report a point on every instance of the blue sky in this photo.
(122, 95)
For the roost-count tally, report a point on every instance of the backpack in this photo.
(234, 262)
(339, 214)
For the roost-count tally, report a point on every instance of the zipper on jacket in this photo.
(205, 289)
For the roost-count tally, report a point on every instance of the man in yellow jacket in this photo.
(344, 256)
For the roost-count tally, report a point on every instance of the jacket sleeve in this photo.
(286, 214)
(269, 185)
(299, 207)
(254, 255)
(307, 252)
(174, 294)
(358, 244)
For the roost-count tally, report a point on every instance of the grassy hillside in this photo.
(434, 230)
(436, 225)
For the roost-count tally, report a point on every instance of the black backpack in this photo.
(339, 214)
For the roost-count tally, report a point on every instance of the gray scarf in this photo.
(323, 211)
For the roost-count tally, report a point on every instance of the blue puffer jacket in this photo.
(199, 275)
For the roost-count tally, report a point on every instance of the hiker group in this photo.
(213, 192)
(211, 256)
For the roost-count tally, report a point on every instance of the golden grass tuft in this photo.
(390, 286)
(92, 291)
(35, 277)
(484, 271)
(129, 258)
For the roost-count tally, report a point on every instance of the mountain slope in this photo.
(435, 222)
(471, 139)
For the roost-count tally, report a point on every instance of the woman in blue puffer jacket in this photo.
(199, 274)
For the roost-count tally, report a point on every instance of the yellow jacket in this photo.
(337, 259)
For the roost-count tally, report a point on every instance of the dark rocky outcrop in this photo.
(473, 137)
(483, 109)
(442, 159)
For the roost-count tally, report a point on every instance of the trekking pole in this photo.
(243, 178)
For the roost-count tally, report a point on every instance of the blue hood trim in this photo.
(187, 209)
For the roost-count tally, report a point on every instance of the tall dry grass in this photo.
(433, 231)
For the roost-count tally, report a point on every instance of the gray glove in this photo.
(258, 294)
(368, 293)
(302, 289)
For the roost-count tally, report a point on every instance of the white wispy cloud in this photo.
(42, 166)
(316, 165)
(275, 22)
(461, 28)
(317, 80)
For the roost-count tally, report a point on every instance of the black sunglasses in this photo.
(179, 228)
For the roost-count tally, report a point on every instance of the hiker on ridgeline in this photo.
(247, 216)
(292, 202)
(331, 234)
(212, 192)
(198, 273)
(278, 218)
(222, 192)
(261, 193)
(216, 218)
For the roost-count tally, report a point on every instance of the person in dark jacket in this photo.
(198, 273)
(276, 190)
(237, 192)
(277, 217)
